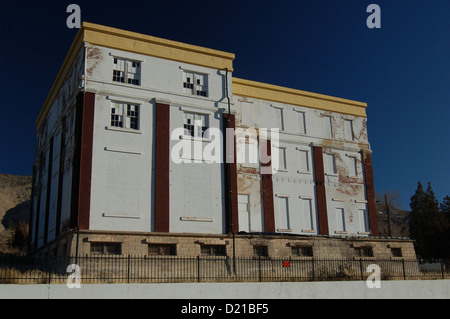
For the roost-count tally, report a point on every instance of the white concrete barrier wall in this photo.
(414, 289)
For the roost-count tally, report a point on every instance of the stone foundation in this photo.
(246, 245)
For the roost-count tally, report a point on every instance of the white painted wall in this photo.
(122, 196)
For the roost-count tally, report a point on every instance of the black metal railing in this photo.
(158, 269)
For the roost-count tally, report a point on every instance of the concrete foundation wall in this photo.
(417, 289)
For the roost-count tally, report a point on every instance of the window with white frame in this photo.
(125, 115)
(195, 84)
(126, 71)
(195, 124)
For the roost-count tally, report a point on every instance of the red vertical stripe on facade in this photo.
(267, 190)
(319, 175)
(87, 139)
(231, 191)
(162, 166)
(370, 193)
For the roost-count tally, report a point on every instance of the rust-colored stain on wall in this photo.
(93, 58)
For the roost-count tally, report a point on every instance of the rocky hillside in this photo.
(15, 199)
(15, 195)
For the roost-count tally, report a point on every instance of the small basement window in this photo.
(261, 251)
(213, 250)
(106, 248)
(162, 249)
(364, 251)
(302, 251)
(396, 252)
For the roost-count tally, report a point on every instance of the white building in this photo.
(130, 158)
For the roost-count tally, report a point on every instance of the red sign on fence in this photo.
(286, 263)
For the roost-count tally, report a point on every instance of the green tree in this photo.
(428, 224)
(445, 209)
(445, 205)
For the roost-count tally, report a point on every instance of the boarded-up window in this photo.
(364, 220)
(308, 219)
(353, 166)
(348, 127)
(247, 118)
(301, 122)
(283, 213)
(304, 162)
(340, 219)
(244, 212)
(330, 163)
(282, 162)
(278, 117)
(328, 126)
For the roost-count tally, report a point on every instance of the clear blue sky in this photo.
(401, 70)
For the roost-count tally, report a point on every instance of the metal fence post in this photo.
(313, 270)
(361, 268)
(198, 268)
(442, 269)
(128, 268)
(404, 271)
(259, 268)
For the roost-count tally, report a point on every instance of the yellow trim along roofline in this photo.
(269, 92)
(137, 43)
(158, 47)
